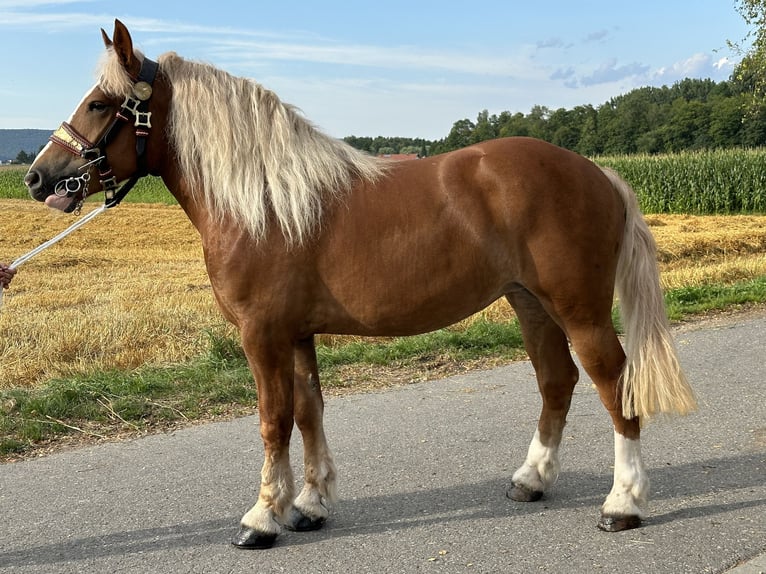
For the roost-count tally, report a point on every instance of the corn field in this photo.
(718, 182)
(700, 183)
(12, 183)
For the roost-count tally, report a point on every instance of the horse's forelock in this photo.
(113, 79)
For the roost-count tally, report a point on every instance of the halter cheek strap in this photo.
(136, 107)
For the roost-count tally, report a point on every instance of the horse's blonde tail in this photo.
(652, 379)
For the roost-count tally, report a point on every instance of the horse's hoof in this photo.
(618, 523)
(299, 522)
(251, 539)
(521, 493)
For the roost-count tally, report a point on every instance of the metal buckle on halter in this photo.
(131, 104)
(109, 185)
(142, 119)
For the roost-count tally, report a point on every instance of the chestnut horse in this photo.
(303, 235)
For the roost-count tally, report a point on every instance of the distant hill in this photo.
(14, 141)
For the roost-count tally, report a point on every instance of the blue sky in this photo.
(394, 68)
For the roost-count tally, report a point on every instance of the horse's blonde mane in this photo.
(245, 153)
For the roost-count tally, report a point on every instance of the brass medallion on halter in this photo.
(142, 90)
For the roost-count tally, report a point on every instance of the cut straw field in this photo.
(130, 288)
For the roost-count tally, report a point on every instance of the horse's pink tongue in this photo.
(57, 202)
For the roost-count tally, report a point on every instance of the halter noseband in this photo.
(135, 106)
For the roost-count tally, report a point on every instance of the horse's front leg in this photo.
(272, 366)
(311, 507)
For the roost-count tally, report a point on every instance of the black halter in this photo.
(136, 108)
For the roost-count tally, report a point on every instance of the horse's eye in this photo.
(97, 106)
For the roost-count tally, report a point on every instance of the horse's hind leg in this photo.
(603, 358)
(310, 508)
(557, 375)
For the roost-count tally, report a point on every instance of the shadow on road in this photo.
(399, 512)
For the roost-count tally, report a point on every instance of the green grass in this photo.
(704, 298)
(12, 183)
(220, 382)
(480, 339)
(148, 189)
(100, 403)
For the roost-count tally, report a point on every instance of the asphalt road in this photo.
(423, 472)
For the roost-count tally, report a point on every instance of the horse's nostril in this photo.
(32, 180)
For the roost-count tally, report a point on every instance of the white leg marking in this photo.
(261, 518)
(275, 497)
(631, 483)
(541, 469)
(309, 503)
(319, 491)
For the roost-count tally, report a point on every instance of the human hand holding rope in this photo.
(6, 274)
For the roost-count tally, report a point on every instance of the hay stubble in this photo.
(130, 288)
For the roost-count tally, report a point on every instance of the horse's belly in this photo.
(414, 292)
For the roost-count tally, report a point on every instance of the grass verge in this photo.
(106, 404)
(699, 299)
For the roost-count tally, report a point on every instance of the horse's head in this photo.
(105, 141)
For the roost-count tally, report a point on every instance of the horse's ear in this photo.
(123, 46)
(107, 39)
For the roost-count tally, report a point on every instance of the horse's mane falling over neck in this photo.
(248, 155)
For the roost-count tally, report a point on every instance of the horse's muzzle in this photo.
(34, 182)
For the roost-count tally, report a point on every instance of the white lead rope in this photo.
(76, 225)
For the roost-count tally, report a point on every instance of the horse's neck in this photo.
(179, 188)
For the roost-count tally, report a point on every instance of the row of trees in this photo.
(24, 157)
(691, 114)
(382, 145)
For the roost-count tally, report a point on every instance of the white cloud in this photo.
(245, 52)
(685, 68)
(551, 43)
(607, 72)
(696, 66)
(247, 46)
(722, 63)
